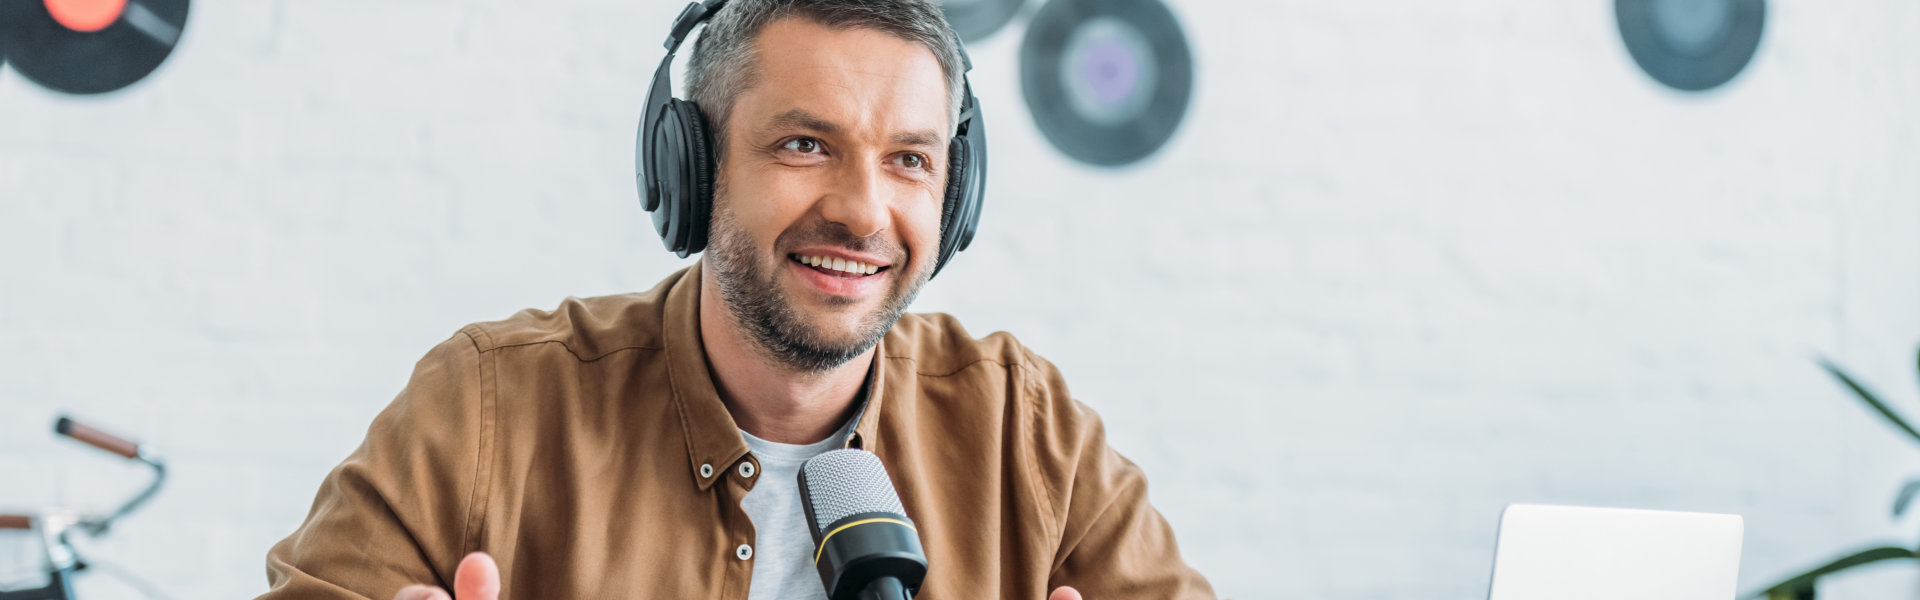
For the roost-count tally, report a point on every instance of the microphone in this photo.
(864, 545)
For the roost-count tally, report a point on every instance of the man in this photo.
(646, 445)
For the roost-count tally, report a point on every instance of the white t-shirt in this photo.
(783, 549)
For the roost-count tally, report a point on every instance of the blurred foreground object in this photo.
(52, 525)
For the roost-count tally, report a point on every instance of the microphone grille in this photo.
(841, 483)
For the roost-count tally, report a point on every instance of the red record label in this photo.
(86, 16)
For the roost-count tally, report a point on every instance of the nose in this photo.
(859, 199)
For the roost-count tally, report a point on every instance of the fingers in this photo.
(1059, 593)
(477, 578)
(421, 592)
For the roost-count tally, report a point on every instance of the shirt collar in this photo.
(867, 421)
(713, 438)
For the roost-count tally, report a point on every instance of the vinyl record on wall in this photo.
(1691, 45)
(11, 11)
(1108, 81)
(976, 19)
(90, 46)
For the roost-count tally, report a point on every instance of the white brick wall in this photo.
(1405, 263)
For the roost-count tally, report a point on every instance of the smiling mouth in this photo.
(836, 267)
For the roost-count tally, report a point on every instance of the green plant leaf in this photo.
(1869, 398)
(1907, 493)
(1805, 581)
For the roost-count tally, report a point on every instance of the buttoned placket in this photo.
(739, 529)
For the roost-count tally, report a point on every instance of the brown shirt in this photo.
(587, 451)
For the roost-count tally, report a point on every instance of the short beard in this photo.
(758, 306)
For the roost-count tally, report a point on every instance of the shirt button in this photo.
(744, 552)
(746, 469)
(706, 471)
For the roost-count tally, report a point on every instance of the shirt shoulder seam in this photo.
(569, 348)
(477, 498)
(956, 370)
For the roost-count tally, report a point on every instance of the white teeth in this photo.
(839, 264)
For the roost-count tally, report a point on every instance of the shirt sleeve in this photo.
(402, 508)
(1113, 544)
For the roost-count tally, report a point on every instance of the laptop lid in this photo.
(1578, 553)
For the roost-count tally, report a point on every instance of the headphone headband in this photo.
(690, 17)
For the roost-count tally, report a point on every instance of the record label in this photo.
(86, 16)
(1108, 81)
(1691, 45)
(89, 46)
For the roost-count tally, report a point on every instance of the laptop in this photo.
(1578, 553)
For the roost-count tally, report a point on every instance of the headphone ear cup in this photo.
(953, 218)
(644, 149)
(663, 172)
(700, 159)
(681, 178)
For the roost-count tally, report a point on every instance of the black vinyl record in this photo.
(112, 57)
(974, 20)
(1691, 45)
(9, 12)
(1108, 81)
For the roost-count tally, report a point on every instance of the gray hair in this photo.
(724, 63)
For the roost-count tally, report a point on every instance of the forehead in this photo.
(860, 79)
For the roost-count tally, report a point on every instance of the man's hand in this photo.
(1059, 593)
(477, 579)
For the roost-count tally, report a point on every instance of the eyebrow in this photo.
(801, 119)
(916, 138)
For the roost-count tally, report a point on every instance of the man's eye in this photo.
(913, 161)
(802, 145)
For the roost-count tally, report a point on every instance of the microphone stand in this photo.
(885, 588)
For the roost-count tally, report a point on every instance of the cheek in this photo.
(765, 206)
(922, 229)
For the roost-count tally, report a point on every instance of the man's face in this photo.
(837, 155)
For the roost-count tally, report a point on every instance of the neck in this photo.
(766, 398)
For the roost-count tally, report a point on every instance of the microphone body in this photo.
(865, 547)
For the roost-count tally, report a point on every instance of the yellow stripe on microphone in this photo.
(829, 535)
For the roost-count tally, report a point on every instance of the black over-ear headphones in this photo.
(674, 159)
